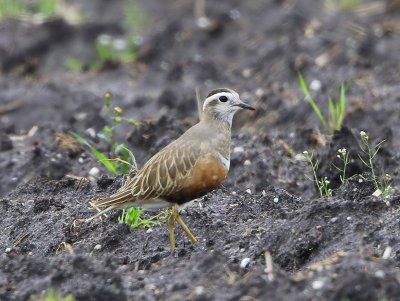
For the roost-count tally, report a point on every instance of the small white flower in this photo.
(363, 135)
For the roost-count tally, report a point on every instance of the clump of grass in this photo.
(382, 181)
(18, 8)
(52, 295)
(132, 217)
(343, 4)
(336, 109)
(322, 183)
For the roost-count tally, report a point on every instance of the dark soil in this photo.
(344, 247)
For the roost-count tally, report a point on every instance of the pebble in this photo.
(276, 200)
(94, 172)
(263, 193)
(348, 218)
(198, 290)
(150, 230)
(247, 163)
(97, 247)
(380, 274)
(238, 149)
(245, 262)
(315, 85)
(234, 14)
(317, 284)
(334, 219)
(81, 160)
(8, 250)
(91, 132)
(248, 191)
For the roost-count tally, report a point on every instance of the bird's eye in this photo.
(223, 98)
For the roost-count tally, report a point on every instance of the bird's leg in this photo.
(170, 224)
(183, 225)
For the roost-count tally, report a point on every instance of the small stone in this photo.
(246, 73)
(348, 218)
(245, 262)
(238, 149)
(334, 219)
(94, 172)
(380, 274)
(150, 230)
(317, 284)
(247, 163)
(8, 250)
(97, 247)
(360, 180)
(248, 191)
(263, 193)
(377, 193)
(315, 85)
(276, 200)
(234, 14)
(233, 193)
(81, 160)
(199, 290)
(91, 132)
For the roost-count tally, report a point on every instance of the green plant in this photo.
(52, 295)
(132, 217)
(73, 64)
(122, 160)
(322, 183)
(336, 110)
(17, 8)
(382, 181)
(344, 156)
(114, 50)
(343, 4)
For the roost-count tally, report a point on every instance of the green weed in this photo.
(52, 295)
(344, 156)
(336, 110)
(322, 183)
(343, 4)
(73, 64)
(18, 8)
(132, 217)
(369, 152)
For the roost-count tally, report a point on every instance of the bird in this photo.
(186, 169)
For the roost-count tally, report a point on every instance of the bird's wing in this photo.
(162, 175)
(165, 172)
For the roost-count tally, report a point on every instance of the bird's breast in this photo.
(206, 175)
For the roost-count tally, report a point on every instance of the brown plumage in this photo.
(188, 168)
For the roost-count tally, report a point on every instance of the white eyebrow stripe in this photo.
(208, 99)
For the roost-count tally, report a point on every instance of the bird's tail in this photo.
(118, 200)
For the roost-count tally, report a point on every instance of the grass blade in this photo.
(304, 88)
(99, 155)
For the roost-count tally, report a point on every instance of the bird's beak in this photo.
(243, 105)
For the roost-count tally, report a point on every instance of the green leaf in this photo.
(315, 107)
(99, 155)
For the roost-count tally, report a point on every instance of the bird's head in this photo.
(222, 104)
